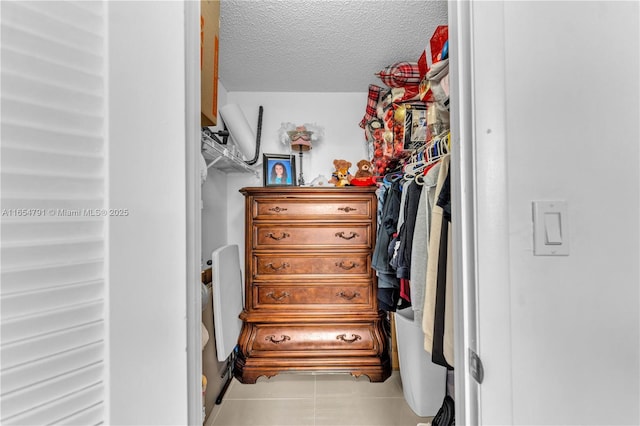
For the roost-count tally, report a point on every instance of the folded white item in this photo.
(321, 181)
(438, 77)
(203, 169)
(204, 335)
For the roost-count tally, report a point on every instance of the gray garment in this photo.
(380, 257)
(381, 193)
(393, 255)
(419, 248)
(403, 199)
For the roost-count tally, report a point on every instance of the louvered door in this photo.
(53, 226)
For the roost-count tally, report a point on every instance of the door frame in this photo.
(463, 210)
(479, 188)
(482, 297)
(193, 211)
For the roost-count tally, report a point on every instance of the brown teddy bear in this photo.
(341, 175)
(365, 169)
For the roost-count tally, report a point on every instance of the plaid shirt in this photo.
(372, 103)
(400, 74)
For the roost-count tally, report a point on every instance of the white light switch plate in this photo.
(550, 228)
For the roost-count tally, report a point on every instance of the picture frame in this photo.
(415, 127)
(271, 164)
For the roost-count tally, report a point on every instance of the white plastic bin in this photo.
(423, 382)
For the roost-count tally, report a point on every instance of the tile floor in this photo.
(315, 400)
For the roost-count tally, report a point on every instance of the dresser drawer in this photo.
(308, 297)
(312, 236)
(322, 208)
(313, 339)
(269, 266)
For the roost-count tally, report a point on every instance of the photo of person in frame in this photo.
(279, 170)
(279, 174)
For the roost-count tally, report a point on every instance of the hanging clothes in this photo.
(433, 264)
(445, 313)
(443, 280)
(400, 262)
(394, 244)
(413, 193)
(388, 284)
(448, 341)
(420, 243)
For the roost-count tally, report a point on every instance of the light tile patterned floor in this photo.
(315, 400)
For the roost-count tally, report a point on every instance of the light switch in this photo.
(553, 228)
(550, 228)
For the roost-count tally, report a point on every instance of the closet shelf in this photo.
(223, 157)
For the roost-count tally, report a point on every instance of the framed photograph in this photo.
(279, 170)
(415, 127)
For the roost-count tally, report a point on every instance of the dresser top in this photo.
(331, 190)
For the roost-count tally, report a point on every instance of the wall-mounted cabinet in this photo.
(209, 47)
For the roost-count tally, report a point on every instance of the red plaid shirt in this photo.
(372, 103)
(401, 74)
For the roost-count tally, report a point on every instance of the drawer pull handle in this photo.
(341, 235)
(281, 237)
(347, 267)
(277, 209)
(282, 296)
(283, 338)
(343, 337)
(277, 268)
(348, 296)
(347, 209)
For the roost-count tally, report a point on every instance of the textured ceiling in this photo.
(320, 45)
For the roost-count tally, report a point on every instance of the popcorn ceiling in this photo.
(320, 45)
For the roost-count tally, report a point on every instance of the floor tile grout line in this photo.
(315, 399)
(283, 398)
(217, 414)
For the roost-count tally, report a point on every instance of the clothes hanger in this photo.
(392, 176)
(416, 163)
(438, 147)
(411, 170)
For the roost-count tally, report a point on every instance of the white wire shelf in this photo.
(224, 157)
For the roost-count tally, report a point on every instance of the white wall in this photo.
(147, 249)
(571, 118)
(214, 235)
(214, 200)
(339, 115)
(214, 213)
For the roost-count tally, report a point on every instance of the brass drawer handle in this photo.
(343, 337)
(281, 237)
(277, 209)
(277, 268)
(347, 209)
(348, 296)
(283, 338)
(341, 235)
(347, 267)
(282, 296)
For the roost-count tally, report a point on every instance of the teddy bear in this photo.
(341, 175)
(365, 169)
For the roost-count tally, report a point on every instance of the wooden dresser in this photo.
(310, 292)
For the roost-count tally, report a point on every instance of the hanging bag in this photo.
(446, 414)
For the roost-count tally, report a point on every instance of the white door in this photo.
(548, 107)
